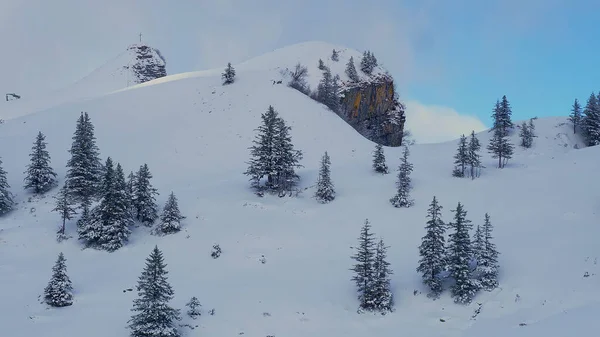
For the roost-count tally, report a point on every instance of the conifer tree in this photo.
(130, 192)
(88, 230)
(228, 75)
(144, 201)
(461, 158)
(6, 198)
(526, 135)
(64, 206)
(170, 219)
(432, 250)
(403, 185)
(59, 291)
(194, 308)
(379, 164)
(531, 127)
(502, 116)
(325, 192)
(383, 299)
(154, 317)
(500, 147)
(335, 56)
(576, 116)
(328, 90)
(286, 158)
(473, 155)
(351, 71)
(591, 121)
(367, 63)
(363, 269)
(478, 245)
(321, 65)
(39, 175)
(460, 253)
(487, 265)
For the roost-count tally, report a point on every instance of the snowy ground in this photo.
(194, 134)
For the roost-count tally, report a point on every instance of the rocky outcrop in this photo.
(149, 64)
(373, 109)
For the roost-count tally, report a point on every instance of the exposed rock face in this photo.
(372, 108)
(149, 64)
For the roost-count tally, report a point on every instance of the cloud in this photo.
(434, 124)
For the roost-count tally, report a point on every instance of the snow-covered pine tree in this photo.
(228, 75)
(591, 120)
(144, 201)
(379, 164)
(335, 56)
(478, 245)
(130, 191)
(526, 135)
(321, 65)
(366, 63)
(88, 230)
(325, 191)
(432, 251)
(286, 158)
(59, 291)
(363, 269)
(84, 169)
(531, 126)
(383, 299)
(487, 265)
(500, 147)
(460, 253)
(194, 306)
(504, 120)
(328, 90)
(64, 206)
(154, 317)
(576, 116)
(39, 175)
(403, 185)
(473, 154)
(461, 158)
(351, 71)
(170, 219)
(373, 61)
(6, 198)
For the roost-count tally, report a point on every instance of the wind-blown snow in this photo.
(194, 134)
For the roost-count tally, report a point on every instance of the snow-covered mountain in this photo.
(194, 134)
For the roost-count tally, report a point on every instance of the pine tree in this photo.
(154, 316)
(461, 158)
(194, 308)
(379, 164)
(367, 63)
(473, 155)
(325, 192)
(460, 254)
(84, 173)
(531, 128)
(88, 230)
(335, 56)
(591, 121)
(383, 299)
(502, 116)
(364, 272)
(321, 65)
(59, 291)
(144, 201)
(500, 147)
(402, 197)
(328, 90)
(487, 265)
(130, 192)
(170, 219)
(478, 244)
(526, 134)
(39, 175)
(351, 71)
(6, 198)
(432, 250)
(229, 75)
(64, 207)
(576, 116)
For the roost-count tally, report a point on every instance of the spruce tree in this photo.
(154, 317)
(432, 250)
(478, 245)
(6, 198)
(461, 158)
(194, 308)
(351, 71)
(487, 265)
(59, 291)
(88, 230)
(144, 201)
(531, 126)
(130, 192)
(500, 147)
(383, 299)
(526, 135)
(64, 206)
(328, 90)
(403, 185)
(502, 116)
(363, 269)
(335, 56)
(379, 164)
(325, 192)
(591, 121)
(321, 65)
(473, 155)
(228, 75)
(366, 63)
(39, 175)
(286, 158)
(576, 115)
(460, 253)
(170, 219)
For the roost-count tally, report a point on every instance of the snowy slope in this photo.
(194, 134)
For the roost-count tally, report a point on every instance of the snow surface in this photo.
(194, 134)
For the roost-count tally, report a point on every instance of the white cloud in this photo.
(434, 124)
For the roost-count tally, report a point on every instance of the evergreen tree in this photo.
(473, 155)
(88, 230)
(286, 158)
(321, 65)
(328, 90)
(478, 244)
(144, 201)
(379, 164)
(487, 265)
(325, 192)
(500, 147)
(576, 116)
(84, 173)
(502, 116)
(351, 71)
(383, 299)
(531, 127)
(364, 271)
(460, 254)
(64, 207)
(130, 192)
(229, 75)
(59, 291)
(591, 121)
(335, 56)
(194, 308)
(6, 198)
(154, 316)
(368, 62)
(461, 158)
(432, 250)
(526, 135)
(402, 197)
(39, 175)
(170, 219)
